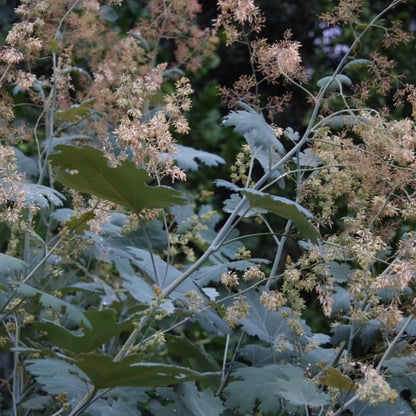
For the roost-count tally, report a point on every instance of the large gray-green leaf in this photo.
(266, 384)
(344, 121)
(285, 208)
(41, 195)
(333, 83)
(186, 158)
(49, 301)
(399, 408)
(26, 164)
(38, 403)
(403, 375)
(9, 264)
(58, 376)
(265, 324)
(342, 300)
(162, 273)
(187, 400)
(341, 272)
(254, 128)
(257, 386)
(86, 169)
(296, 390)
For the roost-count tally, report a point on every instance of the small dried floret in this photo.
(272, 301)
(374, 389)
(229, 279)
(238, 310)
(253, 273)
(243, 254)
(10, 55)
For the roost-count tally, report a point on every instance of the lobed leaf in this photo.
(187, 400)
(335, 379)
(333, 83)
(10, 264)
(73, 113)
(104, 326)
(285, 208)
(298, 391)
(124, 185)
(254, 128)
(186, 158)
(266, 384)
(106, 373)
(49, 301)
(58, 376)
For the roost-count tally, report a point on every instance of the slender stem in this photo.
(85, 401)
(16, 375)
(42, 262)
(216, 243)
(152, 257)
(279, 252)
(394, 342)
(346, 405)
(381, 362)
(224, 360)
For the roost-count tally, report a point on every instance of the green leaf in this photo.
(73, 113)
(53, 46)
(124, 185)
(335, 379)
(357, 64)
(111, 407)
(187, 400)
(334, 83)
(257, 355)
(104, 326)
(49, 301)
(79, 224)
(192, 355)
(105, 373)
(285, 208)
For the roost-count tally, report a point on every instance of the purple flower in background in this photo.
(334, 51)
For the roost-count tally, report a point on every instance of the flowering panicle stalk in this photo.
(113, 92)
(270, 63)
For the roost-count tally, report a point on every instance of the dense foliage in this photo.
(174, 246)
